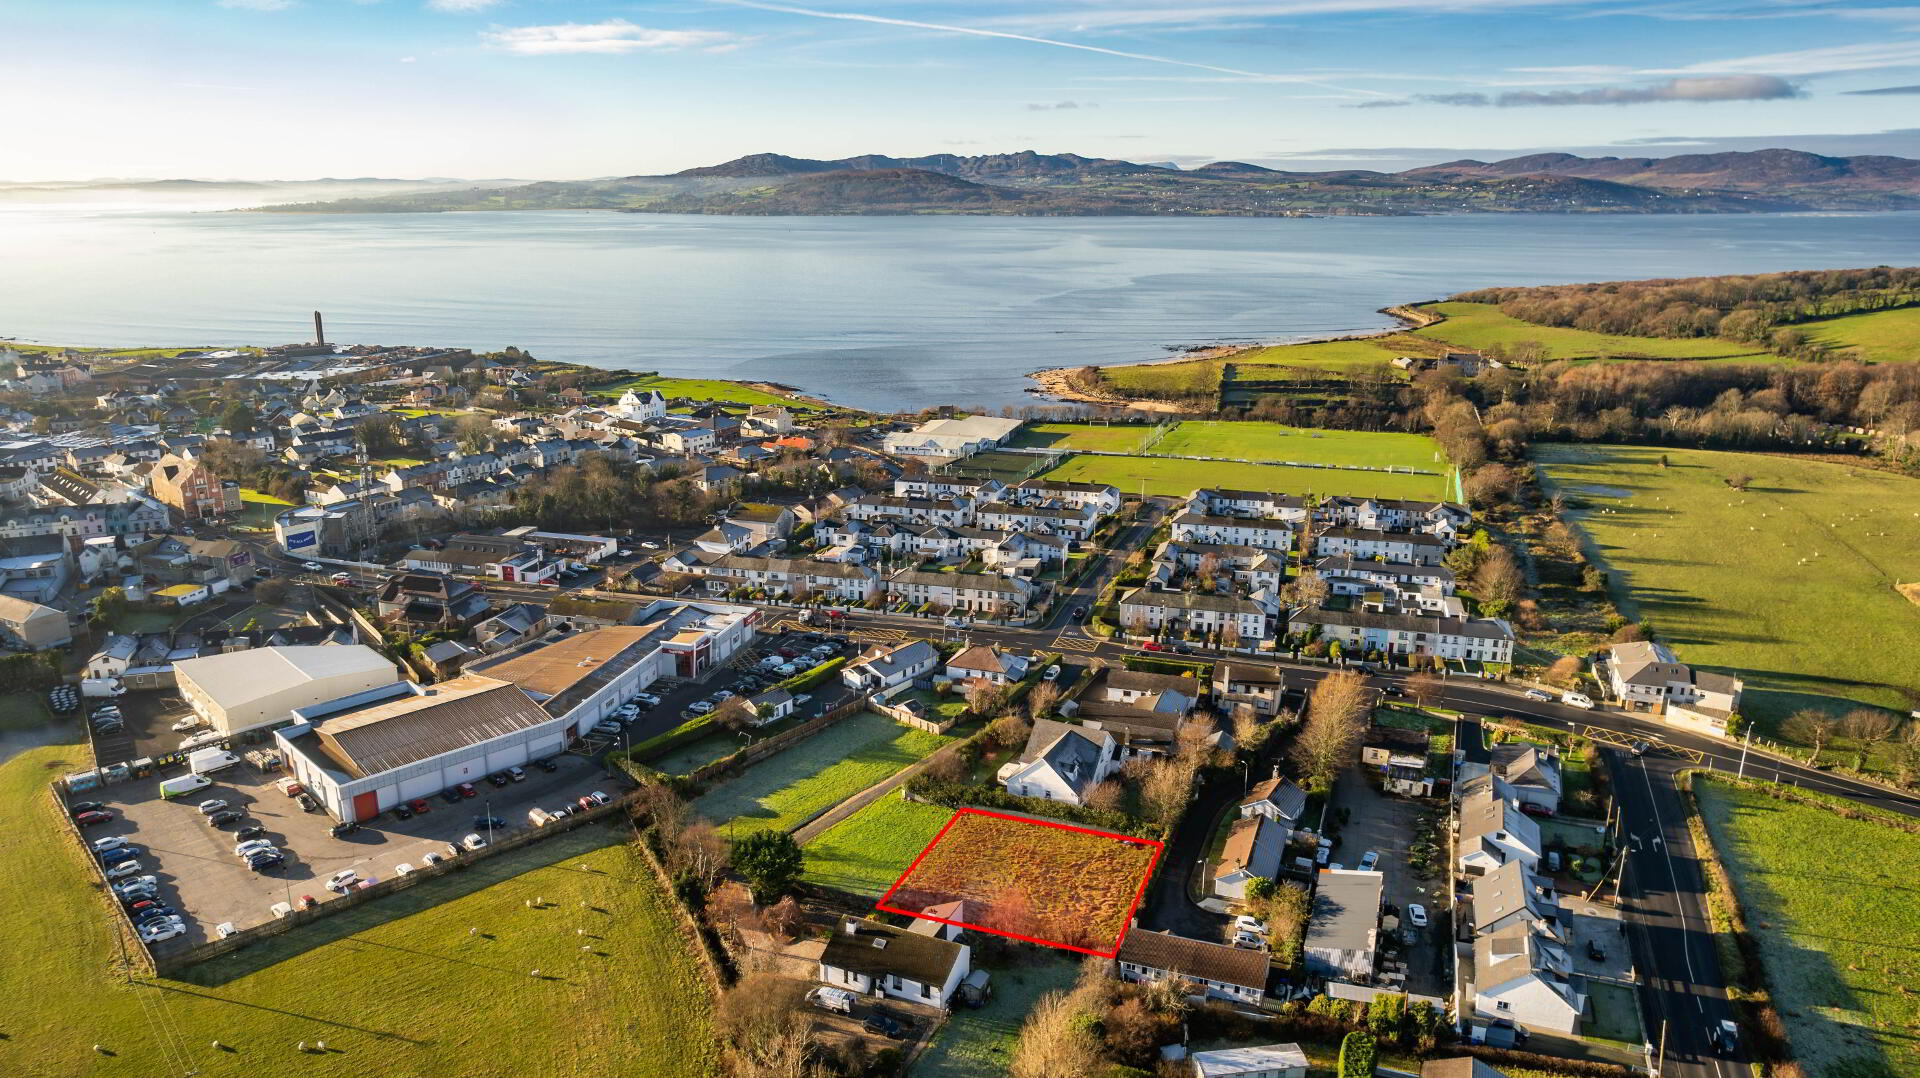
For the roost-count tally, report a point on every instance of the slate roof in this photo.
(1196, 958)
(881, 950)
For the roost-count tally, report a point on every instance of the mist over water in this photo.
(878, 312)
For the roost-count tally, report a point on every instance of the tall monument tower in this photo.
(319, 330)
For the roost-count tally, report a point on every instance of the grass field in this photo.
(1158, 475)
(1788, 584)
(1831, 902)
(1340, 355)
(868, 850)
(1006, 467)
(974, 1043)
(703, 389)
(1257, 442)
(397, 986)
(1037, 880)
(1481, 325)
(1883, 336)
(1174, 379)
(791, 787)
(1122, 438)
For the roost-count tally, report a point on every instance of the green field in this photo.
(1830, 901)
(396, 987)
(700, 389)
(868, 850)
(1788, 584)
(1341, 355)
(1481, 325)
(1120, 438)
(1882, 337)
(791, 787)
(1253, 441)
(1164, 476)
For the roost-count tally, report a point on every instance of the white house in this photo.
(1214, 970)
(1191, 527)
(870, 958)
(1061, 762)
(1524, 975)
(1192, 612)
(1215, 501)
(883, 666)
(984, 662)
(1469, 639)
(1257, 1061)
(1493, 830)
(980, 593)
(796, 576)
(1415, 547)
(1277, 799)
(641, 408)
(1646, 677)
(1104, 498)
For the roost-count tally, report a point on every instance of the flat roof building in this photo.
(244, 690)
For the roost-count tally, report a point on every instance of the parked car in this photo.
(498, 779)
(466, 790)
(343, 828)
(251, 846)
(260, 862)
(120, 854)
(450, 795)
(546, 765)
(1249, 941)
(1416, 915)
(1052, 674)
(208, 808)
(101, 845)
(313, 567)
(224, 817)
(699, 707)
(1578, 699)
(162, 932)
(1151, 646)
(473, 842)
(1595, 951)
(93, 817)
(402, 812)
(433, 857)
(1368, 860)
(291, 788)
(419, 806)
(597, 798)
(139, 881)
(885, 1025)
(191, 722)
(608, 729)
(341, 880)
(481, 823)
(402, 869)
(1248, 923)
(1536, 694)
(252, 830)
(307, 803)
(79, 807)
(515, 774)
(125, 869)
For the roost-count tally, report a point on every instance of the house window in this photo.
(1502, 1005)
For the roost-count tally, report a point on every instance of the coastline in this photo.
(1057, 382)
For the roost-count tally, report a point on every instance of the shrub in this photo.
(807, 679)
(684, 734)
(1359, 1054)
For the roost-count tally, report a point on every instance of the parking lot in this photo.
(198, 874)
(741, 677)
(1385, 824)
(148, 717)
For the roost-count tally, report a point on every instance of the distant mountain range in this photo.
(1036, 184)
(226, 190)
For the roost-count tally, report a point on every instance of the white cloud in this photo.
(611, 37)
(256, 5)
(461, 7)
(1864, 56)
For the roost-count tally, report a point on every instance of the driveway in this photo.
(1385, 824)
(1167, 907)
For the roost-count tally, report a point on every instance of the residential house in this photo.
(137, 515)
(1266, 534)
(1343, 929)
(1214, 970)
(1363, 543)
(1234, 619)
(883, 666)
(1248, 503)
(1646, 677)
(1532, 773)
(429, 600)
(30, 626)
(1492, 830)
(1524, 975)
(1261, 686)
(1075, 521)
(1277, 799)
(892, 507)
(1256, 848)
(1103, 498)
(985, 662)
(512, 626)
(1444, 519)
(1511, 895)
(988, 594)
(792, 576)
(1400, 755)
(1061, 762)
(1145, 711)
(870, 958)
(1487, 640)
(1352, 576)
(932, 487)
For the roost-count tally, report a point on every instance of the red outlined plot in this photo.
(1028, 879)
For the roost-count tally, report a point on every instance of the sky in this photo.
(562, 89)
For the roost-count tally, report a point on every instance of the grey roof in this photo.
(1504, 892)
(885, 660)
(1478, 628)
(1346, 910)
(459, 713)
(1375, 535)
(1189, 600)
(1288, 799)
(1643, 662)
(1197, 959)
(1071, 751)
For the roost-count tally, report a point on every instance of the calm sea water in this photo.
(877, 312)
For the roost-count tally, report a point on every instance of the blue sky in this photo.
(571, 88)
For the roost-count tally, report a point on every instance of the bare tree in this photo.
(984, 697)
(1309, 589)
(1107, 796)
(1246, 726)
(1042, 698)
(1811, 727)
(737, 713)
(1166, 788)
(1009, 731)
(1055, 1042)
(1190, 741)
(1564, 671)
(1425, 689)
(699, 850)
(1870, 727)
(1336, 720)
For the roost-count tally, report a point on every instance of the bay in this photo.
(876, 312)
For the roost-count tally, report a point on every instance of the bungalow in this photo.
(1061, 762)
(1256, 847)
(883, 666)
(1143, 611)
(980, 593)
(1382, 545)
(1260, 686)
(1493, 830)
(1257, 1061)
(984, 662)
(1237, 974)
(871, 958)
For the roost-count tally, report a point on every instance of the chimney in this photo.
(319, 330)
(853, 927)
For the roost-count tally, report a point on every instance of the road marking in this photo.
(880, 636)
(1075, 643)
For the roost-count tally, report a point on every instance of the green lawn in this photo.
(974, 1043)
(1180, 477)
(398, 986)
(1257, 442)
(1616, 1014)
(1006, 467)
(791, 787)
(1120, 438)
(1481, 325)
(1832, 905)
(868, 850)
(1179, 378)
(1788, 584)
(1342, 355)
(1883, 336)
(703, 389)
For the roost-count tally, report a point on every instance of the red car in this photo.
(419, 805)
(466, 790)
(1151, 646)
(88, 819)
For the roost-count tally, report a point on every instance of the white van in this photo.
(184, 784)
(837, 1000)
(1578, 699)
(201, 741)
(207, 761)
